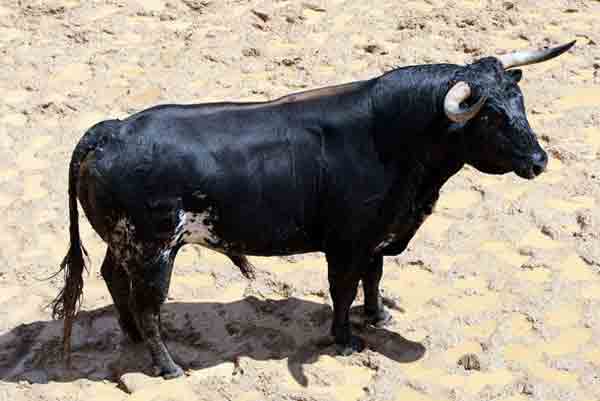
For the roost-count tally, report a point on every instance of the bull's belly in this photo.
(206, 229)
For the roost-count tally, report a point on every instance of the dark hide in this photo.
(352, 171)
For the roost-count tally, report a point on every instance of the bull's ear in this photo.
(515, 74)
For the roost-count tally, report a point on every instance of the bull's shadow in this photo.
(199, 335)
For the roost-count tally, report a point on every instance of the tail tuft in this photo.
(66, 304)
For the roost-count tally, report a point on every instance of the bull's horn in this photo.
(518, 59)
(460, 92)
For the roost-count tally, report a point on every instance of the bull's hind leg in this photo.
(119, 284)
(149, 288)
(375, 312)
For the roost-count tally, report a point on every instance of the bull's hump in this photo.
(319, 93)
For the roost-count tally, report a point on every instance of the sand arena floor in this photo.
(506, 269)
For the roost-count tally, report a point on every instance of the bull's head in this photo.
(498, 138)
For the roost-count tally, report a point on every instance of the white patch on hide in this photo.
(164, 256)
(388, 240)
(196, 228)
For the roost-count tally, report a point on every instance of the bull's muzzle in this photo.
(533, 165)
(539, 162)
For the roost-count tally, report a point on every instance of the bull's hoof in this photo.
(380, 319)
(356, 344)
(170, 373)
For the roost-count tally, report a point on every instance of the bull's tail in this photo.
(68, 300)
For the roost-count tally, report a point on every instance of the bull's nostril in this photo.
(540, 157)
(539, 160)
(537, 169)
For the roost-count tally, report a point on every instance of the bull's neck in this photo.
(410, 123)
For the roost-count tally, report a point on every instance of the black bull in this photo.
(351, 171)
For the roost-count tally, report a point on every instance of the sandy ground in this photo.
(506, 269)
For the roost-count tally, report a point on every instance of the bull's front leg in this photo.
(150, 286)
(375, 312)
(344, 275)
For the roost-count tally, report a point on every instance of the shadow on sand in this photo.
(199, 335)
